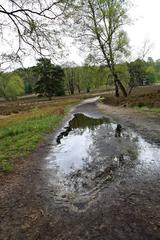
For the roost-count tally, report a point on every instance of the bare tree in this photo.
(145, 49)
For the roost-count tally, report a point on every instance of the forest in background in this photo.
(97, 27)
(76, 79)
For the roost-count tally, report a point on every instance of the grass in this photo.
(148, 109)
(21, 133)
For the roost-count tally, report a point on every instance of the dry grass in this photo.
(39, 109)
(148, 96)
(26, 104)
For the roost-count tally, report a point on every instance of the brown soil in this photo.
(146, 123)
(124, 209)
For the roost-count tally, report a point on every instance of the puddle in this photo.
(87, 156)
(74, 143)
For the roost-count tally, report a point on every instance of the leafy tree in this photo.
(123, 73)
(101, 23)
(78, 74)
(29, 76)
(11, 85)
(151, 73)
(157, 69)
(138, 75)
(88, 78)
(70, 79)
(28, 88)
(101, 76)
(150, 60)
(50, 79)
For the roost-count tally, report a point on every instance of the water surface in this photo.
(87, 157)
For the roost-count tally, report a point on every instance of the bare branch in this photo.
(35, 21)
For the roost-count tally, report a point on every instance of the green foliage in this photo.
(143, 73)
(29, 76)
(123, 73)
(85, 78)
(101, 23)
(11, 85)
(148, 109)
(88, 77)
(151, 73)
(70, 79)
(157, 71)
(50, 79)
(28, 88)
(6, 166)
(138, 75)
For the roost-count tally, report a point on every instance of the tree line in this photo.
(47, 79)
(98, 26)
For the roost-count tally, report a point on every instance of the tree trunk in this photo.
(72, 91)
(49, 98)
(122, 88)
(116, 89)
(79, 89)
(88, 90)
(130, 89)
(71, 88)
(118, 85)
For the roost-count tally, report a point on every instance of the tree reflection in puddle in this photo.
(88, 156)
(81, 122)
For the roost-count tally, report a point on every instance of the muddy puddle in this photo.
(88, 156)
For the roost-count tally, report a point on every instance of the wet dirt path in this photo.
(88, 184)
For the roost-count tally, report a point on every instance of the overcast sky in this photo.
(146, 26)
(145, 15)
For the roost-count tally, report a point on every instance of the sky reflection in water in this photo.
(74, 143)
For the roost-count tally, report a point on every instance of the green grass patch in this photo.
(21, 133)
(19, 139)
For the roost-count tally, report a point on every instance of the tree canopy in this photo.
(100, 23)
(11, 85)
(50, 78)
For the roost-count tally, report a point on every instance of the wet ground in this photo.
(91, 182)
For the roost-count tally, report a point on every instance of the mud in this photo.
(85, 183)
